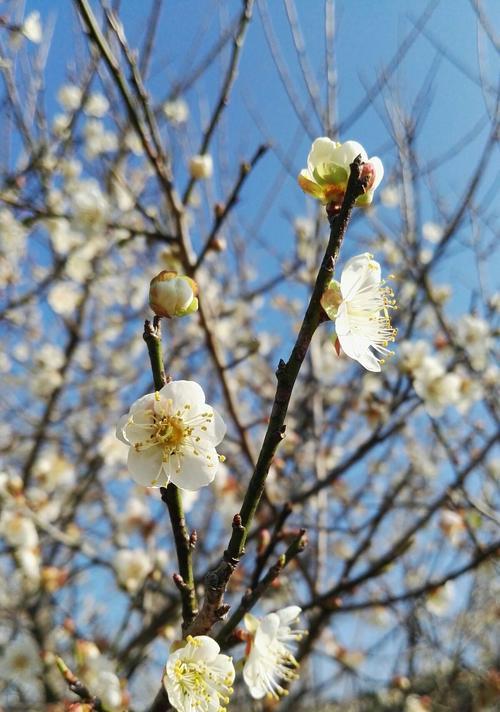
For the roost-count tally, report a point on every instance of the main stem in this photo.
(287, 372)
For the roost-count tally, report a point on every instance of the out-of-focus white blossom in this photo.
(90, 206)
(439, 601)
(198, 677)
(359, 306)
(18, 530)
(52, 471)
(32, 27)
(473, 333)
(432, 232)
(96, 105)
(328, 170)
(98, 139)
(415, 703)
(389, 196)
(21, 660)
(176, 111)
(268, 657)
(64, 298)
(437, 388)
(452, 525)
(132, 566)
(172, 436)
(201, 166)
(70, 97)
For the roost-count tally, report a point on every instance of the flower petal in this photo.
(322, 151)
(145, 466)
(288, 614)
(309, 186)
(358, 348)
(182, 393)
(359, 272)
(378, 167)
(120, 429)
(195, 471)
(347, 152)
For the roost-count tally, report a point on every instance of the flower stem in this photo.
(172, 498)
(170, 494)
(152, 337)
(287, 372)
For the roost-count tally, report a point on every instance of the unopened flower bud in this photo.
(201, 166)
(218, 244)
(172, 295)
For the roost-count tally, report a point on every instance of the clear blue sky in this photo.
(368, 36)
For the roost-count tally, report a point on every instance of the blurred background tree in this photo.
(141, 137)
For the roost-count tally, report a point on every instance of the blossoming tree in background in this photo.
(327, 528)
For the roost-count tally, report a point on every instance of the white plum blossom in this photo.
(106, 686)
(360, 305)
(439, 601)
(473, 333)
(201, 166)
(268, 657)
(328, 170)
(176, 111)
(452, 525)
(70, 97)
(64, 297)
(32, 27)
(132, 566)
(437, 388)
(197, 677)
(432, 232)
(96, 105)
(414, 703)
(389, 196)
(172, 436)
(90, 206)
(21, 660)
(18, 530)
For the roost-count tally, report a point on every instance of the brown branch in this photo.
(254, 594)
(217, 579)
(78, 687)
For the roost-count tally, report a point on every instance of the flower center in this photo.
(170, 432)
(201, 684)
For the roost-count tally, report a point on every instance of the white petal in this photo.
(195, 470)
(347, 152)
(207, 651)
(142, 405)
(223, 666)
(253, 671)
(378, 167)
(342, 323)
(120, 429)
(145, 466)
(266, 633)
(321, 152)
(182, 393)
(360, 271)
(358, 348)
(138, 432)
(215, 428)
(289, 614)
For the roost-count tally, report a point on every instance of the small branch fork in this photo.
(77, 686)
